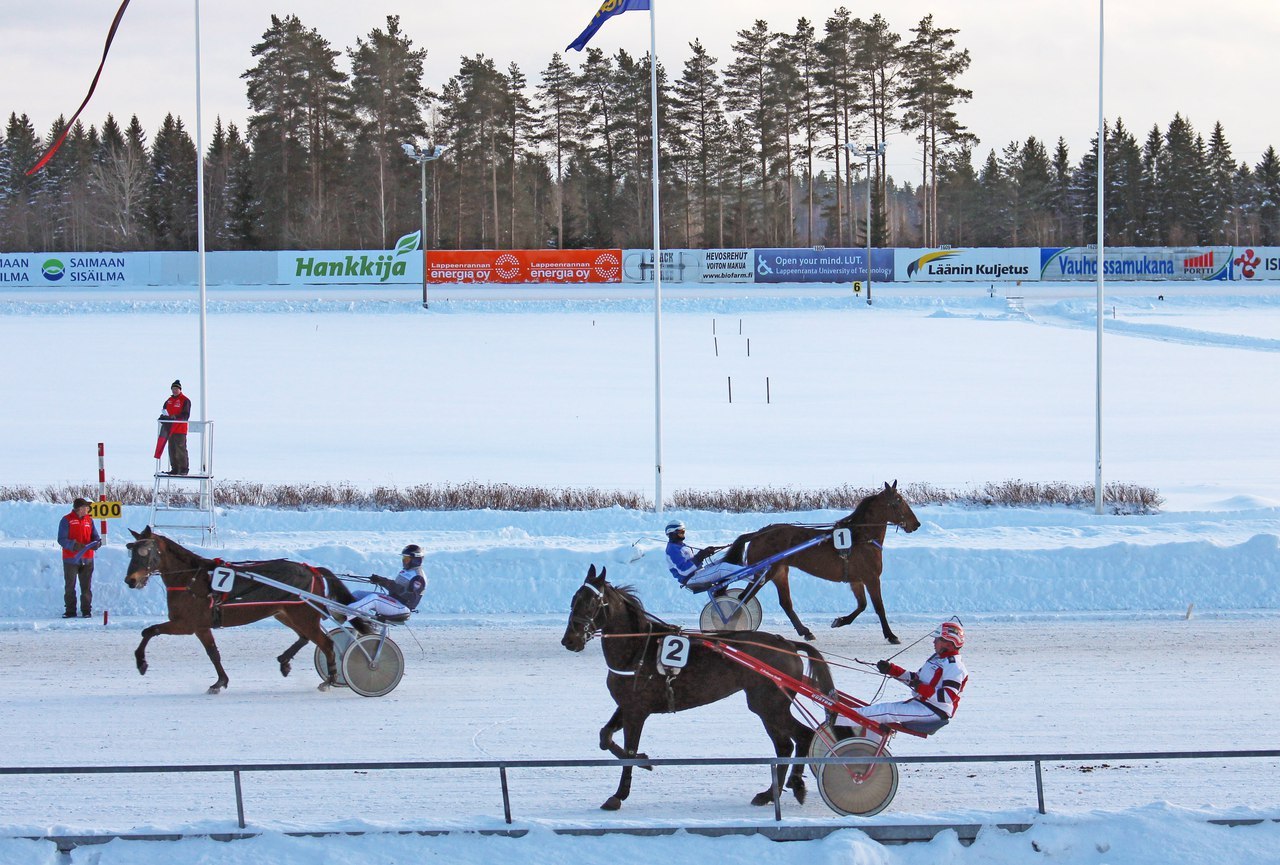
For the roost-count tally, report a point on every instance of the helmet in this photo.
(674, 526)
(413, 553)
(951, 633)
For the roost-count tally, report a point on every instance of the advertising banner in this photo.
(361, 267)
(704, 266)
(1255, 262)
(966, 265)
(822, 265)
(1136, 263)
(524, 265)
(71, 269)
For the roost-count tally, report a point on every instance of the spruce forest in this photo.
(753, 153)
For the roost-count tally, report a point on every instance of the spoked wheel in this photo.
(727, 613)
(342, 638)
(826, 736)
(861, 789)
(369, 677)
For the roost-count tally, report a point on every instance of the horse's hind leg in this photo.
(774, 711)
(861, 595)
(205, 636)
(782, 582)
(285, 659)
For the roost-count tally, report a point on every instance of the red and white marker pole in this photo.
(102, 485)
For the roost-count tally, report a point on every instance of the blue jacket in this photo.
(680, 561)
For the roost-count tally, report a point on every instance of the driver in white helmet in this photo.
(690, 567)
(402, 594)
(936, 686)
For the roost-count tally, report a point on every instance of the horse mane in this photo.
(628, 596)
(860, 512)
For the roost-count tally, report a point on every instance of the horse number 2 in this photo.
(675, 651)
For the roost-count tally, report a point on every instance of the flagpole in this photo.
(657, 263)
(1102, 147)
(200, 250)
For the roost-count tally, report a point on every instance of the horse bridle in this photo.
(587, 624)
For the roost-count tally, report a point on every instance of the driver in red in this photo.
(937, 685)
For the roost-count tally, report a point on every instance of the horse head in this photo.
(900, 513)
(144, 558)
(586, 611)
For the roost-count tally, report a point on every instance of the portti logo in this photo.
(53, 270)
(507, 266)
(926, 259)
(607, 265)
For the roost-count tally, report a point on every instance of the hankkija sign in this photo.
(401, 264)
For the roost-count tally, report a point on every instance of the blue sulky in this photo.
(737, 609)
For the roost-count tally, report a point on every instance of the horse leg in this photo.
(802, 735)
(772, 716)
(873, 586)
(782, 582)
(285, 666)
(631, 729)
(140, 653)
(205, 636)
(861, 595)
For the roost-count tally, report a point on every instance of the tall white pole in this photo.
(869, 152)
(657, 265)
(1097, 477)
(200, 253)
(423, 241)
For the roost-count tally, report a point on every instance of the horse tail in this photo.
(737, 551)
(819, 669)
(338, 591)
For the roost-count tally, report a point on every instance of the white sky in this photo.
(1034, 71)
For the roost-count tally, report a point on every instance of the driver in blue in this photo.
(690, 567)
(402, 594)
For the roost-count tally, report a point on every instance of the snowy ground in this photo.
(1080, 636)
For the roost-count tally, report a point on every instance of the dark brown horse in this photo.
(631, 641)
(195, 609)
(860, 566)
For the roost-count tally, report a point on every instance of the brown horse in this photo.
(631, 641)
(195, 609)
(860, 566)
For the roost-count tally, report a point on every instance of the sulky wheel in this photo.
(726, 613)
(342, 638)
(364, 675)
(826, 736)
(861, 789)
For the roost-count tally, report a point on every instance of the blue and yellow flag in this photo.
(607, 9)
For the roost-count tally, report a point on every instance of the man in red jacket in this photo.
(78, 537)
(175, 413)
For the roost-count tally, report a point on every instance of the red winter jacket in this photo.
(179, 408)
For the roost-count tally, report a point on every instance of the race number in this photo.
(842, 539)
(222, 579)
(857, 287)
(105, 510)
(675, 651)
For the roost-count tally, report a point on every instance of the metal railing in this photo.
(502, 766)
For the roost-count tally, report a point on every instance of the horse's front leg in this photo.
(861, 595)
(877, 603)
(285, 659)
(140, 653)
(205, 636)
(782, 582)
(631, 729)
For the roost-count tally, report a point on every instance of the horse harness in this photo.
(634, 666)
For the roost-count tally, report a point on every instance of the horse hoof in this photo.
(285, 670)
(214, 689)
(799, 790)
(808, 635)
(613, 803)
(893, 640)
(142, 669)
(323, 686)
(836, 623)
(764, 797)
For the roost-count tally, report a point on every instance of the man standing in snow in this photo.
(78, 537)
(937, 685)
(174, 415)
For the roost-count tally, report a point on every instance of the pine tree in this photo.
(561, 116)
